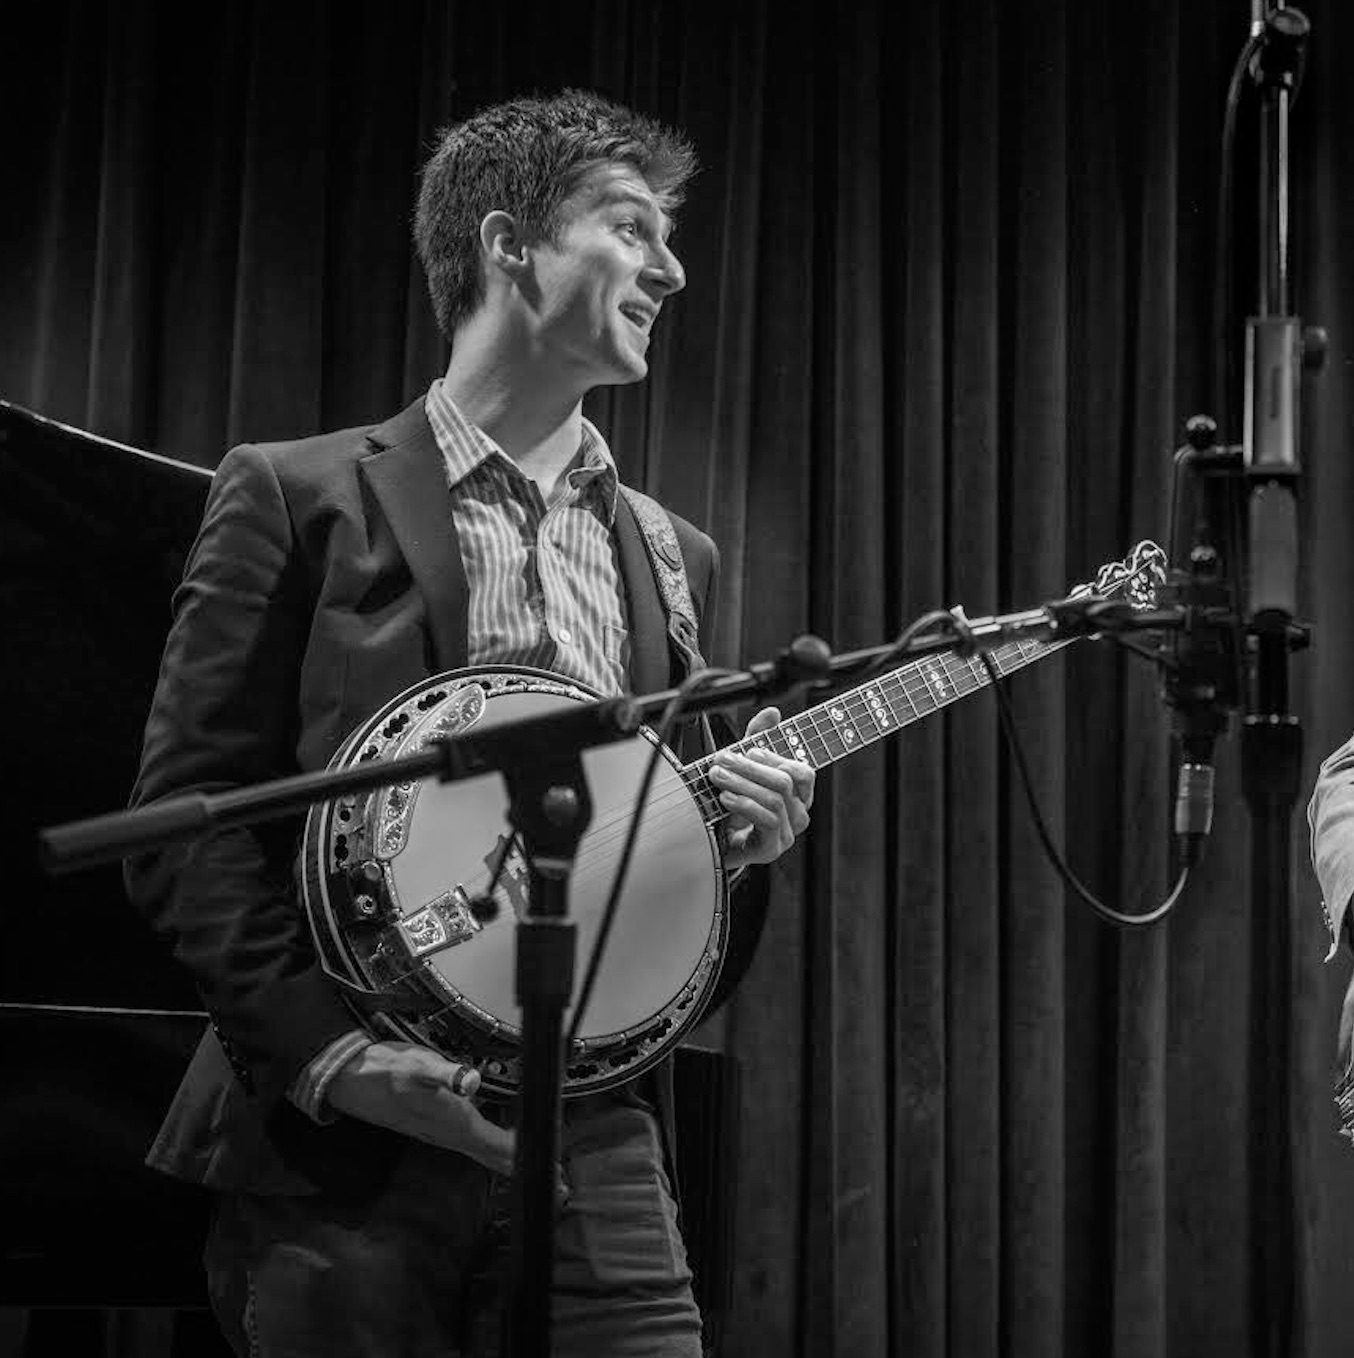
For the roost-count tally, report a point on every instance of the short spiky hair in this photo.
(525, 158)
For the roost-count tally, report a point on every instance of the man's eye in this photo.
(629, 228)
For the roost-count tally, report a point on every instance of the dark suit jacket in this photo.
(325, 579)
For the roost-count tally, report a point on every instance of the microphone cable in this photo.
(693, 682)
(1106, 913)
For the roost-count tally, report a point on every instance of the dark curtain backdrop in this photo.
(949, 305)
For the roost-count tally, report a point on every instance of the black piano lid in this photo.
(93, 537)
(71, 482)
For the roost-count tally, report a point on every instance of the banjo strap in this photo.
(665, 556)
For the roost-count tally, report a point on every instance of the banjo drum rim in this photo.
(593, 1064)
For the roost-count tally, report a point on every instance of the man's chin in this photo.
(617, 365)
(625, 374)
(631, 355)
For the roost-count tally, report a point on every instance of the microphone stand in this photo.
(1271, 737)
(1243, 572)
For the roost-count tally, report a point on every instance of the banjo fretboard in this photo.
(821, 735)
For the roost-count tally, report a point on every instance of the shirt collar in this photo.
(465, 446)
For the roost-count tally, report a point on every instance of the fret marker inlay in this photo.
(936, 675)
(881, 713)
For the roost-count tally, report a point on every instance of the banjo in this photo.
(389, 877)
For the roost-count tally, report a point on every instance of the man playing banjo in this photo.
(359, 1193)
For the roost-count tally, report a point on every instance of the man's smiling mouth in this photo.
(642, 318)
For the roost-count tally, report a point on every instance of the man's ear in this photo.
(502, 244)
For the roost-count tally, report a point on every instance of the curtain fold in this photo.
(949, 306)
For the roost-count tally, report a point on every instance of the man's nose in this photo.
(666, 269)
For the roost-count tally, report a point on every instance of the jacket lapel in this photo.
(650, 662)
(408, 476)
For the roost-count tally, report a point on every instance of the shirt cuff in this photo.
(1334, 905)
(312, 1084)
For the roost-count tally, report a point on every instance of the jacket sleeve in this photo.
(225, 715)
(1330, 815)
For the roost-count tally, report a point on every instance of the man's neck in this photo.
(538, 423)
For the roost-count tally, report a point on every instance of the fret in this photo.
(830, 736)
(812, 740)
(1014, 657)
(861, 722)
(1004, 660)
(795, 741)
(776, 740)
(896, 683)
(920, 696)
(966, 675)
(971, 676)
(977, 675)
(878, 710)
(937, 681)
(885, 700)
(980, 670)
(854, 721)
(706, 794)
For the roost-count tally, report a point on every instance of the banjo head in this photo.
(388, 880)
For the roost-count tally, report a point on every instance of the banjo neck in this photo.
(852, 720)
(855, 719)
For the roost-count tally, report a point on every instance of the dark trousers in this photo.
(422, 1269)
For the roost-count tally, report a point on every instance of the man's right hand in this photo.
(410, 1089)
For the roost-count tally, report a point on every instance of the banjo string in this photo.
(610, 828)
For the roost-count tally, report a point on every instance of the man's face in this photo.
(601, 284)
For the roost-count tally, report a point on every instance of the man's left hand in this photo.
(766, 795)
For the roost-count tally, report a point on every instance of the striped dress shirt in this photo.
(544, 581)
(545, 591)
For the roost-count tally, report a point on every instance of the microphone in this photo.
(1203, 684)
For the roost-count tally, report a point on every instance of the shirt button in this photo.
(566, 636)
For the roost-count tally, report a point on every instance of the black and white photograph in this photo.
(677, 679)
